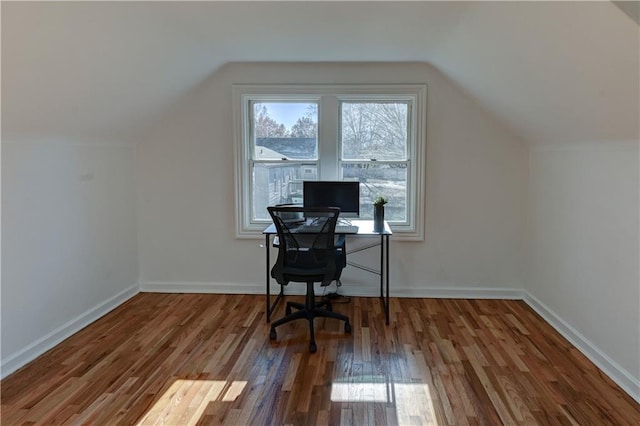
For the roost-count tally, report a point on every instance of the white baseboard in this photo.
(346, 289)
(622, 377)
(201, 287)
(40, 346)
(460, 293)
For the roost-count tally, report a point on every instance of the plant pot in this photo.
(378, 218)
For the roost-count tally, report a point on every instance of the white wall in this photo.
(69, 250)
(476, 178)
(584, 250)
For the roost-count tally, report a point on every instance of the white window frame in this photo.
(329, 168)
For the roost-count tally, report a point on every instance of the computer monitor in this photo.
(343, 194)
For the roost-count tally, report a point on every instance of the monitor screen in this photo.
(343, 194)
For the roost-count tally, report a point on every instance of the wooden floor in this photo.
(207, 359)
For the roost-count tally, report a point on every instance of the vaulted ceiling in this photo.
(553, 72)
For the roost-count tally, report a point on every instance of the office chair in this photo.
(308, 254)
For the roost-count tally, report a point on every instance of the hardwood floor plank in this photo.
(188, 359)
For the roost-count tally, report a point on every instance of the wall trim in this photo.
(32, 351)
(347, 290)
(619, 375)
(461, 293)
(200, 287)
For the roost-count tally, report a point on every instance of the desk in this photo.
(365, 230)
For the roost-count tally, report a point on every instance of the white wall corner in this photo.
(30, 352)
(619, 375)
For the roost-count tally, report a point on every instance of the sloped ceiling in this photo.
(551, 71)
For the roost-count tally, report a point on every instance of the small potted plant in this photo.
(378, 213)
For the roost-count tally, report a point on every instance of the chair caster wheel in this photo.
(347, 327)
(312, 348)
(273, 335)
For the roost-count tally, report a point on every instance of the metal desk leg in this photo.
(270, 306)
(384, 274)
(382, 267)
(386, 271)
(267, 242)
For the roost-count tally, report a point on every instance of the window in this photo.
(367, 133)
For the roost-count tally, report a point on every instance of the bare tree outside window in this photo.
(305, 127)
(265, 125)
(374, 130)
(374, 151)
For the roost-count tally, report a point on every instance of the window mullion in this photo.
(328, 138)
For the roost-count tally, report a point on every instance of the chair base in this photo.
(309, 310)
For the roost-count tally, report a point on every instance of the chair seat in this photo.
(302, 275)
(306, 269)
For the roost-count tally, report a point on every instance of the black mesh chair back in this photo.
(307, 251)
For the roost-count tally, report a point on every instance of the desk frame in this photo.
(365, 229)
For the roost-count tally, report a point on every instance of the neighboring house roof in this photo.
(292, 148)
(264, 153)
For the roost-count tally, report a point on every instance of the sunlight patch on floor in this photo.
(186, 400)
(412, 401)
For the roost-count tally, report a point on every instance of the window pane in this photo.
(374, 130)
(278, 183)
(285, 130)
(388, 180)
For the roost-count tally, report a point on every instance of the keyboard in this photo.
(346, 229)
(340, 229)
